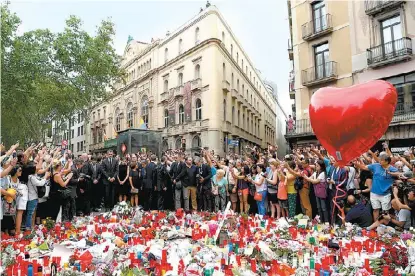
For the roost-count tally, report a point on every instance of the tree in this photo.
(50, 76)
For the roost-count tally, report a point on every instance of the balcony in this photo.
(317, 27)
(404, 112)
(196, 85)
(226, 127)
(300, 128)
(319, 74)
(179, 91)
(291, 89)
(234, 94)
(164, 97)
(290, 51)
(390, 52)
(226, 86)
(373, 7)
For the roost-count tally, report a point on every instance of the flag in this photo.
(104, 134)
(142, 124)
(115, 133)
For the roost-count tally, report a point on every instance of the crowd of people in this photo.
(373, 191)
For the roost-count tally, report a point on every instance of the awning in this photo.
(112, 143)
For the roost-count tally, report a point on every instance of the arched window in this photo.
(239, 118)
(130, 117)
(150, 63)
(197, 71)
(237, 84)
(243, 88)
(232, 82)
(196, 143)
(181, 114)
(233, 115)
(224, 71)
(166, 118)
(243, 121)
(252, 126)
(223, 37)
(144, 109)
(166, 55)
(117, 120)
(237, 58)
(224, 110)
(251, 98)
(198, 109)
(197, 36)
(231, 50)
(165, 145)
(180, 80)
(178, 143)
(180, 46)
(166, 86)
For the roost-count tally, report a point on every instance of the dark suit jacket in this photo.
(150, 177)
(109, 170)
(173, 170)
(97, 173)
(181, 171)
(162, 177)
(206, 173)
(74, 183)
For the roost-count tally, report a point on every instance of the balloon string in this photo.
(343, 193)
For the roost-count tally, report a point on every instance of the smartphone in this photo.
(14, 154)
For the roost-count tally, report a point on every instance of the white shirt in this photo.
(263, 187)
(32, 185)
(350, 180)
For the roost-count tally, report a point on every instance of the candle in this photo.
(164, 256)
(385, 270)
(253, 265)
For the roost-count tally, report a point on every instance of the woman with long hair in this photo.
(242, 186)
(272, 183)
(319, 181)
(260, 188)
(123, 178)
(33, 182)
(22, 197)
(219, 187)
(135, 183)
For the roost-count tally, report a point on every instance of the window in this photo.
(237, 84)
(321, 56)
(79, 131)
(224, 110)
(79, 117)
(243, 121)
(251, 98)
(180, 80)
(242, 66)
(232, 82)
(181, 114)
(239, 117)
(77, 146)
(82, 145)
(166, 118)
(117, 120)
(144, 109)
(319, 16)
(246, 70)
(82, 130)
(99, 135)
(196, 143)
(243, 88)
(231, 50)
(223, 71)
(178, 143)
(237, 58)
(233, 115)
(197, 71)
(223, 37)
(197, 34)
(149, 63)
(198, 109)
(166, 55)
(166, 86)
(72, 133)
(180, 46)
(391, 35)
(130, 115)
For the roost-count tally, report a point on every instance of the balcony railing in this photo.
(319, 74)
(226, 86)
(290, 50)
(376, 6)
(317, 27)
(390, 52)
(403, 112)
(196, 84)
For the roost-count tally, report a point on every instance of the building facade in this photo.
(341, 43)
(320, 54)
(72, 131)
(382, 34)
(197, 85)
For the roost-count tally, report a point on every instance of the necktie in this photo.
(110, 161)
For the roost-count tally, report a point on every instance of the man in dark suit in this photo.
(83, 201)
(109, 169)
(204, 187)
(179, 175)
(149, 182)
(97, 191)
(162, 178)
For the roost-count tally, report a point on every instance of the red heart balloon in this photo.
(349, 121)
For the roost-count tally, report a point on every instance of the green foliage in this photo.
(48, 76)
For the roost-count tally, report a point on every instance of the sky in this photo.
(261, 26)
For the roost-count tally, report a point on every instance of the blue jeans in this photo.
(30, 209)
(261, 204)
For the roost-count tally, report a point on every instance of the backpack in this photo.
(298, 183)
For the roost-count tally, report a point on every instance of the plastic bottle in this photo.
(30, 270)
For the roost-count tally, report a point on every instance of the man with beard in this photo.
(180, 172)
(83, 202)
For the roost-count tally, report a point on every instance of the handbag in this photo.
(134, 190)
(258, 196)
(320, 189)
(65, 193)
